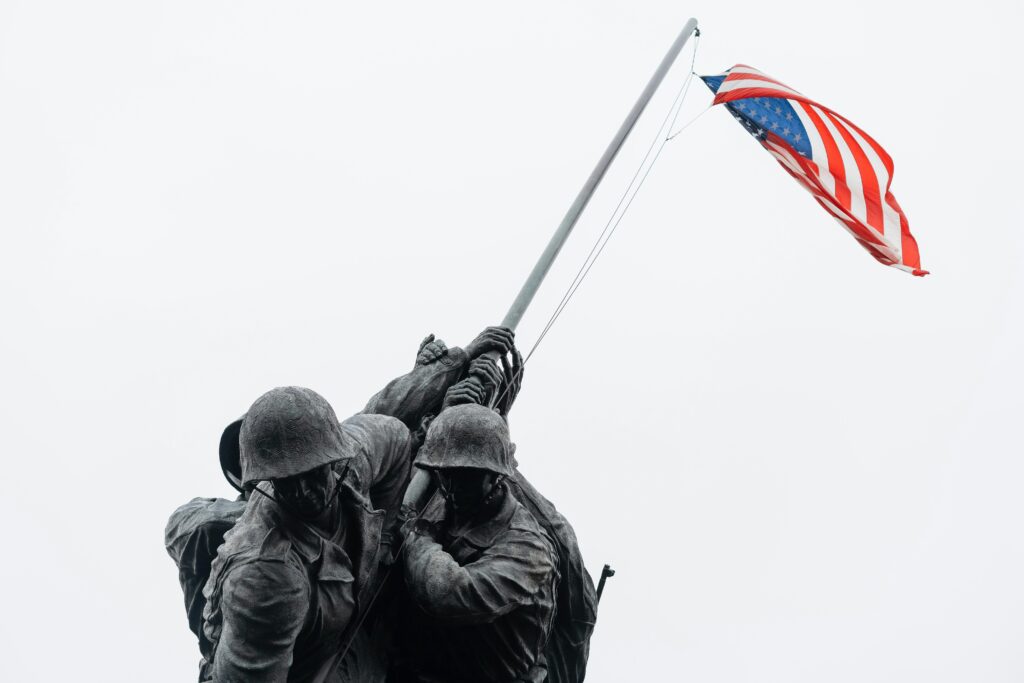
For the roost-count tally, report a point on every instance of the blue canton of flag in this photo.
(761, 115)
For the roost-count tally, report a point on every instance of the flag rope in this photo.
(691, 121)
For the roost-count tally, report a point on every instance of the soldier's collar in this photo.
(486, 533)
(307, 541)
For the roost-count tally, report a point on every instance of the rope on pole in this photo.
(663, 137)
(625, 201)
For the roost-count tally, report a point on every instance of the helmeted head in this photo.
(287, 432)
(468, 449)
(467, 437)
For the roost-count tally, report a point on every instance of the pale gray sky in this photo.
(805, 466)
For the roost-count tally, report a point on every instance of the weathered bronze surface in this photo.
(318, 572)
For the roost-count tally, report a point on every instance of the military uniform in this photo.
(568, 646)
(483, 586)
(281, 595)
(485, 599)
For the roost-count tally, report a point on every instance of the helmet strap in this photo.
(307, 518)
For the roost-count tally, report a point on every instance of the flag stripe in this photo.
(832, 156)
(867, 182)
(880, 171)
(762, 89)
(819, 155)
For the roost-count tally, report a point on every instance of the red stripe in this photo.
(744, 93)
(868, 179)
(911, 255)
(748, 93)
(882, 154)
(835, 159)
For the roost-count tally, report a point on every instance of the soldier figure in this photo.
(568, 646)
(305, 554)
(481, 571)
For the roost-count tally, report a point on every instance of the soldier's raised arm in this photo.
(421, 391)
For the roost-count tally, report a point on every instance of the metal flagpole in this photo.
(532, 284)
(420, 483)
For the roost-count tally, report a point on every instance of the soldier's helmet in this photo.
(230, 457)
(288, 431)
(468, 436)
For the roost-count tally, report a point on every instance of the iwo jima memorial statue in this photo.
(403, 545)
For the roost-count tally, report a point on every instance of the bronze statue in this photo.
(481, 571)
(306, 586)
(196, 529)
(305, 555)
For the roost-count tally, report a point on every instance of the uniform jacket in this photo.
(281, 597)
(569, 644)
(485, 599)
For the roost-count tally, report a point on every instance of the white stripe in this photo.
(755, 72)
(747, 70)
(819, 157)
(729, 86)
(857, 207)
(890, 219)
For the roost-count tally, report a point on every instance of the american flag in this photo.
(842, 166)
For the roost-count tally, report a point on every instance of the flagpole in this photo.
(540, 270)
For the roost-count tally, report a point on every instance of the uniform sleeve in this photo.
(385, 457)
(263, 607)
(508, 575)
(420, 392)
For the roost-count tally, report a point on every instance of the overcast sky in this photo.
(805, 466)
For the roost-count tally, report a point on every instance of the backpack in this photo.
(576, 599)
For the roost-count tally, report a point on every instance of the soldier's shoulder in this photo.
(524, 522)
(365, 427)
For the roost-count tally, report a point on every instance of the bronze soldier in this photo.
(568, 646)
(304, 556)
(480, 569)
